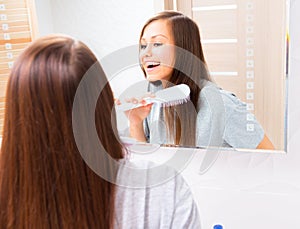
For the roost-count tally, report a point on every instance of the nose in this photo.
(148, 50)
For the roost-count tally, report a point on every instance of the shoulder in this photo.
(141, 173)
(231, 100)
(241, 129)
(211, 92)
(211, 101)
(215, 100)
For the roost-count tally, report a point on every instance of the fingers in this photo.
(141, 109)
(148, 106)
(141, 99)
(137, 115)
(132, 100)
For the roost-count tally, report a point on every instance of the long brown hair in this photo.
(44, 182)
(190, 68)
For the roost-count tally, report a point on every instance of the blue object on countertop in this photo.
(218, 226)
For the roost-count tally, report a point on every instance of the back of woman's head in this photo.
(44, 181)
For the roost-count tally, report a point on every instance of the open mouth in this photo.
(152, 65)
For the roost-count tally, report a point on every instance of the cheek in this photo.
(167, 56)
(141, 55)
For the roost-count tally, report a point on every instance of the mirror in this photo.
(108, 26)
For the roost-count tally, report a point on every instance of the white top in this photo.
(153, 196)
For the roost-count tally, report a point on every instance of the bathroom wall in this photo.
(105, 26)
(44, 15)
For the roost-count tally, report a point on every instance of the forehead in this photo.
(157, 28)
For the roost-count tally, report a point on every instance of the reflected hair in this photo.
(44, 182)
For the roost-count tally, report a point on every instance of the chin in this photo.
(152, 78)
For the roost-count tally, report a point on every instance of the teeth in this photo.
(151, 64)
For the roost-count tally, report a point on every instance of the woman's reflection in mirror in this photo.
(192, 123)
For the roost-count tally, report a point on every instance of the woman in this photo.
(171, 54)
(45, 181)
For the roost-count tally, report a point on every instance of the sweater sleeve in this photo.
(242, 128)
(228, 121)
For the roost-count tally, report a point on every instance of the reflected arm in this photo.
(137, 132)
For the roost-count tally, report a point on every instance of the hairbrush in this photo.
(170, 96)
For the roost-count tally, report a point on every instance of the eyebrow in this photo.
(158, 35)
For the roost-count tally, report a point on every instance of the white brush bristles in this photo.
(175, 102)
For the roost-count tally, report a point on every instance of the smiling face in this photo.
(157, 51)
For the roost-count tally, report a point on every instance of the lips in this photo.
(150, 65)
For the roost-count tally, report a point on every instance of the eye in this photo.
(143, 46)
(157, 44)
